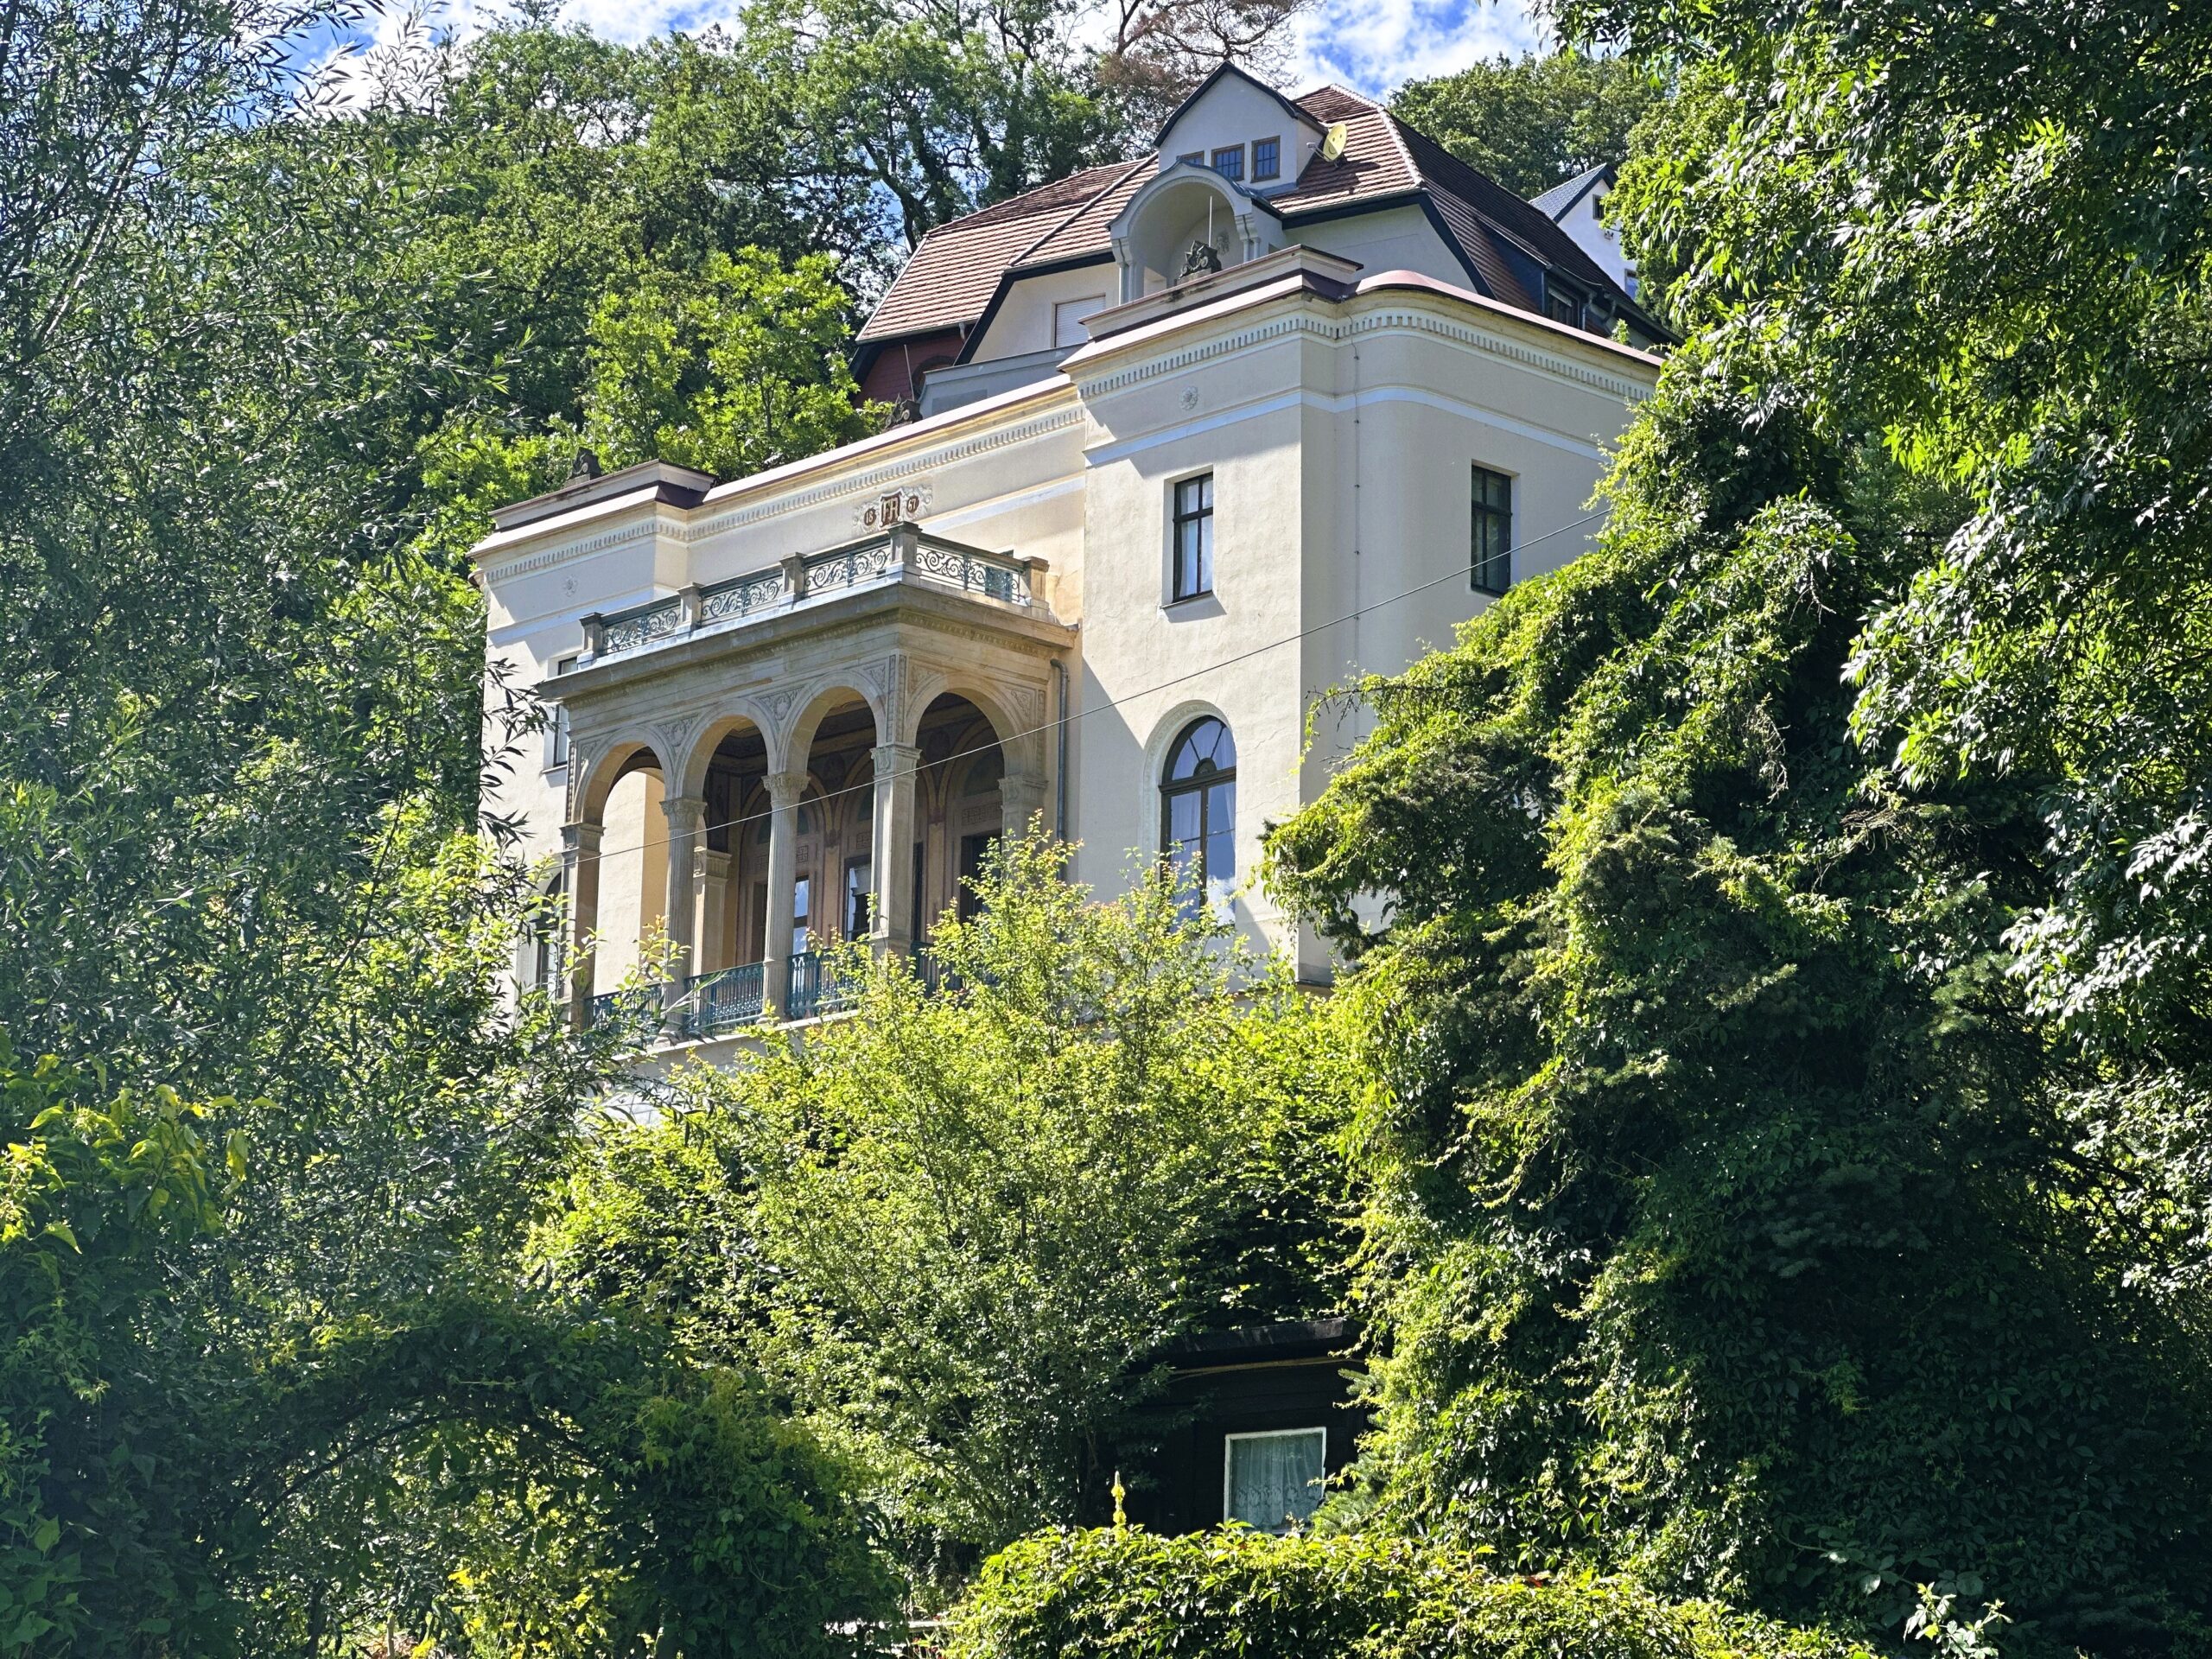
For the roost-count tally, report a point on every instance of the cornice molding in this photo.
(900, 467)
(894, 469)
(1334, 331)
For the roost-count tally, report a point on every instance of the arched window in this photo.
(1198, 806)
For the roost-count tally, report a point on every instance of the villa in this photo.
(1182, 443)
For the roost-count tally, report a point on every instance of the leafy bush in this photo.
(954, 1228)
(1135, 1595)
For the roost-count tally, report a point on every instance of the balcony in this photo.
(735, 999)
(903, 555)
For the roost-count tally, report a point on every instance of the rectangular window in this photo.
(557, 723)
(975, 851)
(1198, 156)
(1193, 538)
(859, 896)
(1067, 319)
(1492, 549)
(546, 941)
(1230, 162)
(802, 916)
(1267, 159)
(1273, 1482)
(1562, 303)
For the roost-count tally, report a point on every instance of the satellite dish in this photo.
(1332, 142)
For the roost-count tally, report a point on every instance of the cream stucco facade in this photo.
(798, 706)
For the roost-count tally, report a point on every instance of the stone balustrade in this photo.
(903, 554)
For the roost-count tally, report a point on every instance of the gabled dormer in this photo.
(1244, 129)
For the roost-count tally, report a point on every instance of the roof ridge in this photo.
(1398, 129)
(1081, 207)
(1341, 91)
(1023, 195)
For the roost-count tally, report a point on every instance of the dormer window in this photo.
(1229, 161)
(1266, 160)
(1562, 303)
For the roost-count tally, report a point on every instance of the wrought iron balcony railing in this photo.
(901, 554)
(726, 1000)
(816, 986)
(732, 999)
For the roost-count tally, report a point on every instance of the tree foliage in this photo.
(240, 745)
(1789, 1031)
(1533, 122)
(955, 1228)
(1128, 1592)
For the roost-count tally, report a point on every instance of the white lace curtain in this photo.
(1274, 1480)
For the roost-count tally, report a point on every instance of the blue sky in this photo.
(1368, 44)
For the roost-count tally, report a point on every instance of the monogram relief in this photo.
(884, 508)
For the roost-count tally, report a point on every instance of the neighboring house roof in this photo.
(960, 267)
(1557, 203)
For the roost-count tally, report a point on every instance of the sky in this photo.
(1369, 45)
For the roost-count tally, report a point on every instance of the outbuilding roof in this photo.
(956, 269)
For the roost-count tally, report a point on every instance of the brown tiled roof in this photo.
(960, 265)
(1083, 232)
(954, 271)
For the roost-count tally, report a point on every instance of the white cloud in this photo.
(1371, 46)
(1368, 45)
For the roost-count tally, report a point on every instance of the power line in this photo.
(1111, 702)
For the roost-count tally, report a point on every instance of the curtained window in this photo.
(1273, 1482)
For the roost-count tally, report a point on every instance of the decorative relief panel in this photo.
(892, 505)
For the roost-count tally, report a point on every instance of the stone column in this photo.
(1021, 797)
(714, 948)
(580, 872)
(897, 768)
(687, 816)
(785, 789)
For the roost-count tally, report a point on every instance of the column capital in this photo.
(785, 787)
(581, 837)
(900, 756)
(1020, 798)
(684, 813)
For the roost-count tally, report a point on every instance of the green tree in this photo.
(240, 745)
(942, 105)
(99, 1200)
(956, 1227)
(729, 371)
(1537, 121)
(1794, 999)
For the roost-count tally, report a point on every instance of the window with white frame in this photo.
(1274, 1481)
(557, 723)
(1067, 319)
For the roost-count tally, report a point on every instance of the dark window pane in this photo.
(1490, 552)
(1266, 158)
(1230, 162)
(860, 881)
(1198, 806)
